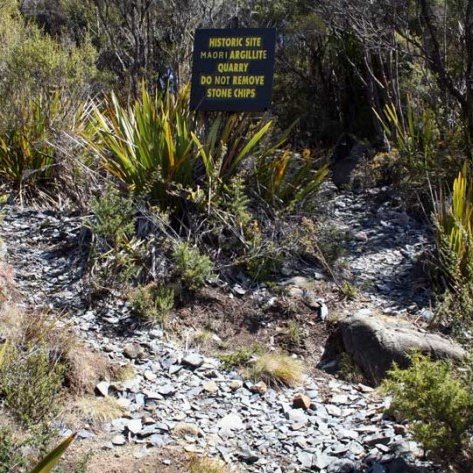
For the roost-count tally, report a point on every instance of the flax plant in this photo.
(146, 145)
(454, 224)
(161, 149)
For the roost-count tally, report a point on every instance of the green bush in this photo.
(16, 453)
(11, 457)
(192, 267)
(31, 383)
(114, 217)
(152, 302)
(436, 402)
(240, 357)
(42, 83)
(33, 62)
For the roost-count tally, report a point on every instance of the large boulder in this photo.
(375, 343)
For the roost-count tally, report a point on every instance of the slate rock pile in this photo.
(179, 397)
(382, 245)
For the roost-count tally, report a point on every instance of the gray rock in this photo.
(322, 460)
(231, 422)
(156, 440)
(134, 426)
(166, 390)
(248, 456)
(119, 440)
(193, 360)
(305, 459)
(102, 388)
(343, 465)
(375, 343)
(133, 351)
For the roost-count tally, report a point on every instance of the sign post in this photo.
(232, 69)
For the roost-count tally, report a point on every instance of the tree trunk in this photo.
(468, 108)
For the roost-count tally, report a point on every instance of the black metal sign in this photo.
(232, 69)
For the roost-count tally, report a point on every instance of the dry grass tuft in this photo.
(99, 410)
(84, 369)
(277, 369)
(184, 429)
(207, 465)
(122, 372)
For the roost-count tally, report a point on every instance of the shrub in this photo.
(83, 367)
(152, 302)
(427, 145)
(293, 333)
(26, 152)
(31, 383)
(122, 372)
(114, 218)
(11, 457)
(277, 369)
(192, 267)
(263, 257)
(240, 357)
(436, 402)
(17, 451)
(348, 291)
(42, 83)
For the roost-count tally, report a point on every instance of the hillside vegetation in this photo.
(203, 221)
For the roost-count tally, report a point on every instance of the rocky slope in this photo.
(184, 399)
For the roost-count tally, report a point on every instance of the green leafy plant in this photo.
(147, 145)
(348, 291)
(31, 383)
(453, 220)
(192, 267)
(415, 133)
(229, 141)
(156, 145)
(152, 302)
(26, 152)
(240, 357)
(289, 179)
(114, 217)
(454, 223)
(437, 403)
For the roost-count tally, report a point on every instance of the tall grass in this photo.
(26, 152)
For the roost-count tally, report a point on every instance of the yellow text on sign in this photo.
(248, 42)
